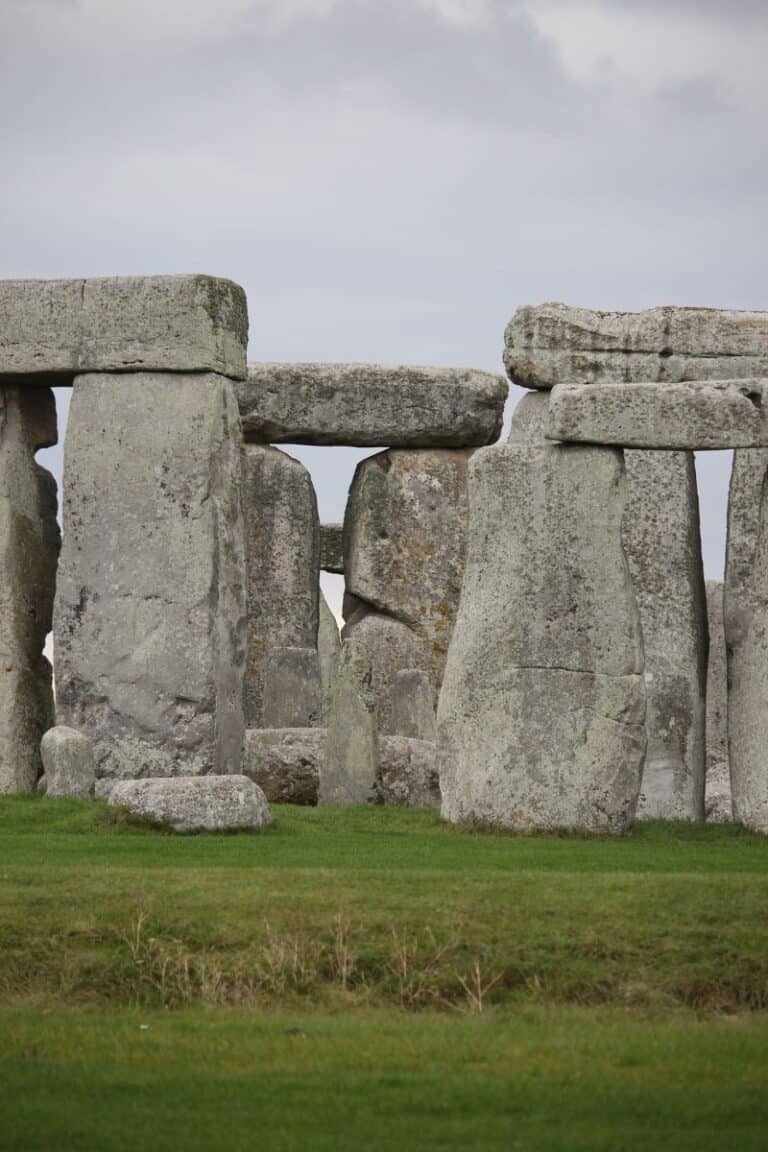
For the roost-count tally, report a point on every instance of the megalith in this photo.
(150, 613)
(68, 763)
(541, 719)
(29, 546)
(328, 649)
(350, 769)
(718, 804)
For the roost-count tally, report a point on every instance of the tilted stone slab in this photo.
(714, 414)
(351, 763)
(328, 649)
(29, 547)
(150, 614)
(549, 344)
(285, 762)
(718, 802)
(541, 720)
(332, 548)
(61, 328)
(371, 405)
(196, 803)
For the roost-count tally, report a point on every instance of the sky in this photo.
(390, 179)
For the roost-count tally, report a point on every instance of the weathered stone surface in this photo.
(29, 545)
(61, 328)
(691, 414)
(149, 621)
(408, 774)
(328, 649)
(371, 405)
(391, 646)
(413, 709)
(351, 762)
(541, 720)
(719, 801)
(530, 417)
(293, 696)
(285, 762)
(332, 548)
(196, 803)
(663, 547)
(744, 503)
(283, 557)
(718, 791)
(70, 769)
(404, 545)
(550, 344)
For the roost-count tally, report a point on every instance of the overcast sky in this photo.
(390, 179)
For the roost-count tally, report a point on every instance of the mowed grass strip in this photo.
(371, 907)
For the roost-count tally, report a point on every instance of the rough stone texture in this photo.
(529, 418)
(70, 769)
(149, 621)
(413, 709)
(29, 546)
(404, 545)
(61, 328)
(391, 646)
(283, 556)
(719, 801)
(408, 773)
(718, 804)
(285, 762)
(550, 344)
(196, 803)
(332, 548)
(541, 719)
(328, 649)
(746, 634)
(371, 405)
(663, 547)
(696, 415)
(350, 769)
(293, 696)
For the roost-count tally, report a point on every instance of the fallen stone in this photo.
(29, 546)
(68, 762)
(391, 647)
(371, 405)
(408, 773)
(350, 769)
(150, 622)
(695, 415)
(285, 763)
(413, 709)
(541, 720)
(293, 695)
(332, 548)
(283, 557)
(551, 344)
(196, 803)
(718, 804)
(663, 547)
(58, 329)
(328, 650)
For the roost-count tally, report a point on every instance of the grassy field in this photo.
(374, 978)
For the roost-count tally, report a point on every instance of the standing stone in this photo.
(390, 646)
(663, 546)
(541, 719)
(328, 649)
(413, 710)
(68, 763)
(292, 689)
(285, 762)
(150, 619)
(332, 548)
(29, 546)
(718, 802)
(404, 546)
(283, 556)
(408, 773)
(529, 418)
(350, 771)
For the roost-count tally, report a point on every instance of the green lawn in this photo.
(372, 978)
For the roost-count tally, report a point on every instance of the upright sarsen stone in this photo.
(718, 802)
(29, 546)
(150, 615)
(351, 766)
(541, 721)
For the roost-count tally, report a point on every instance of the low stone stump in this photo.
(196, 803)
(285, 762)
(68, 763)
(408, 774)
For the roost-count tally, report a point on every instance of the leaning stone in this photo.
(328, 649)
(283, 557)
(29, 546)
(292, 689)
(150, 604)
(196, 803)
(408, 775)
(541, 720)
(413, 709)
(371, 405)
(61, 328)
(696, 415)
(332, 548)
(551, 344)
(68, 762)
(663, 547)
(351, 762)
(718, 804)
(390, 646)
(285, 762)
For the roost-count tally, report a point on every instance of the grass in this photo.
(371, 976)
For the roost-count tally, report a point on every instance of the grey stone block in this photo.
(150, 616)
(58, 329)
(352, 750)
(718, 802)
(293, 695)
(371, 405)
(390, 646)
(408, 773)
(285, 762)
(68, 762)
(530, 418)
(332, 548)
(328, 649)
(196, 803)
(413, 709)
